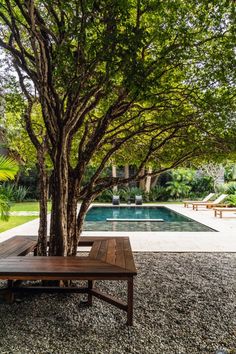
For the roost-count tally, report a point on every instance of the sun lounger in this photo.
(220, 211)
(214, 203)
(190, 202)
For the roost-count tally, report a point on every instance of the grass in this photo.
(14, 221)
(19, 220)
(27, 206)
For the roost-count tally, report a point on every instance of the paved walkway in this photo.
(222, 241)
(24, 213)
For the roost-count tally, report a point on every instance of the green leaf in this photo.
(8, 168)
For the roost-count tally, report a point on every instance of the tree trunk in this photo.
(154, 182)
(43, 186)
(148, 181)
(72, 232)
(142, 181)
(126, 170)
(58, 245)
(114, 175)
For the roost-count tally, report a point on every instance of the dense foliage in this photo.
(143, 82)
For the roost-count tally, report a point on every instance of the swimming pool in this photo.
(139, 218)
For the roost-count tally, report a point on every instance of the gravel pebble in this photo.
(185, 303)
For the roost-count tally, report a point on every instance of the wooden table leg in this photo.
(90, 296)
(130, 302)
(9, 294)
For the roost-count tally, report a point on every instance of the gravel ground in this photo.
(184, 303)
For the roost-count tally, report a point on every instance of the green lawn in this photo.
(27, 206)
(18, 220)
(14, 221)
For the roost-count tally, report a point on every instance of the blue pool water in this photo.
(115, 218)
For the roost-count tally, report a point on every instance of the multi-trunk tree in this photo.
(113, 78)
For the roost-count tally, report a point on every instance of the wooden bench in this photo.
(220, 211)
(110, 258)
(18, 246)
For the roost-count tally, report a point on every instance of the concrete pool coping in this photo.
(224, 240)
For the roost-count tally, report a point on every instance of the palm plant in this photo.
(8, 170)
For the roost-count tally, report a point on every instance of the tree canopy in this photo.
(149, 81)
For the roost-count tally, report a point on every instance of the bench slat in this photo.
(129, 260)
(95, 248)
(120, 256)
(111, 251)
(56, 266)
(17, 246)
(102, 250)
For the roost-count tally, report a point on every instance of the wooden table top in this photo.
(109, 257)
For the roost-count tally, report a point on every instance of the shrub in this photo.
(231, 200)
(201, 185)
(30, 180)
(230, 188)
(106, 196)
(180, 184)
(178, 189)
(128, 194)
(157, 193)
(5, 206)
(13, 193)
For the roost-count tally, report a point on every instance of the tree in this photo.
(216, 172)
(114, 76)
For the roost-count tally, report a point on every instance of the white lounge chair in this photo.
(206, 199)
(212, 204)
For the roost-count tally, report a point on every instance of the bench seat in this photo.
(18, 246)
(110, 258)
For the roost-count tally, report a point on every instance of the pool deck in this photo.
(223, 240)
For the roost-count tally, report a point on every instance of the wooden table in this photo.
(110, 258)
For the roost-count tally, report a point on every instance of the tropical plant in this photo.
(128, 193)
(230, 172)
(106, 196)
(157, 193)
(8, 170)
(178, 189)
(201, 185)
(180, 184)
(229, 188)
(13, 192)
(231, 200)
(183, 175)
(5, 206)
